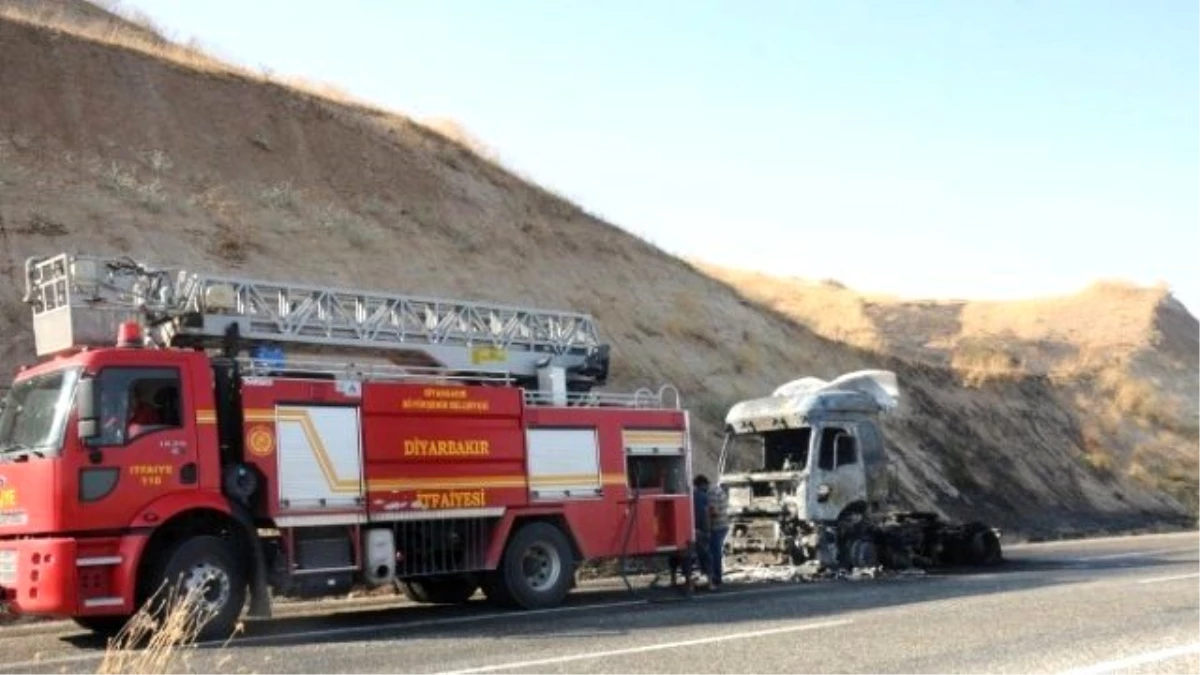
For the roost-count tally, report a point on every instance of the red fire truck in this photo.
(241, 439)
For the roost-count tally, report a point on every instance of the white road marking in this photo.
(525, 665)
(1156, 580)
(1140, 659)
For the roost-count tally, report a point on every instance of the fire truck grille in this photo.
(8, 567)
(441, 546)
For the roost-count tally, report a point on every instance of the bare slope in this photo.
(110, 149)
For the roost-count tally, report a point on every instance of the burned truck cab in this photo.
(803, 461)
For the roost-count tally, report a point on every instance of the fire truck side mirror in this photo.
(85, 407)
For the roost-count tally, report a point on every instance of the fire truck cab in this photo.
(215, 447)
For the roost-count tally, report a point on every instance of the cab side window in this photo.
(135, 402)
(847, 450)
(829, 436)
(838, 448)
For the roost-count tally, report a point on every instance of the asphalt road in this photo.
(1106, 605)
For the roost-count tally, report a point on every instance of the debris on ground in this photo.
(808, 572)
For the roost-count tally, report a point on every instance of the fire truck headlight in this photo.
(823, 492)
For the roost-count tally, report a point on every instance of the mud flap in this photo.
(260, 596)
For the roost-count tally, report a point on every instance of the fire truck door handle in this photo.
(187, 473)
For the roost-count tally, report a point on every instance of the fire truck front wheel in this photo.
(537, 568)
(206, 568)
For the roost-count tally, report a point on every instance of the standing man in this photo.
(718, 523)
(700, 512)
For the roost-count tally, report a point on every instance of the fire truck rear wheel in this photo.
(208, 567)
(537, 568)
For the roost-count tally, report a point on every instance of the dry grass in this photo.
(41, 225)
(11, 173)
(1135, 399)
(747, 357)
(125, 181)
(455, 131)
(231, 244)
(282, 195)
(359, 233)
(150, 644)
(1071, 333)
(827, 307)
(685, 321)
(132, 31)
(1100, 462)
(982, 361)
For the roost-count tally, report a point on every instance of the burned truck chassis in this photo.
(809, 484)
(897, 541)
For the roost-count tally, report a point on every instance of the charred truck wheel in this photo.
(982, 545)
(451, 589)
(208, 569)
(863, 553)
(536, 570)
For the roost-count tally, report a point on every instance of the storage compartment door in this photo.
(563, 463)
(320, 457)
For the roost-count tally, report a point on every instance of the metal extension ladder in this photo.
(79, 300)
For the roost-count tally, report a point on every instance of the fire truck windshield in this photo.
(33, 416)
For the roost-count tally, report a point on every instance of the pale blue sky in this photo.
(974, 148)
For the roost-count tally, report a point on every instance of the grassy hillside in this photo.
(112, 142)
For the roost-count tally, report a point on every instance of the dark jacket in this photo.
(700, 509)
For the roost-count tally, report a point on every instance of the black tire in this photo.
(983, 547)
(862, 553)
(105, 626)
(536, 570)
(211, 565)
(452, 589)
